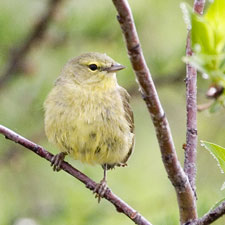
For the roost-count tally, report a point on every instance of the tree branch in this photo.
(174, 170)
(120, 205)
(33, 37)
(191, 101)
(212, 215)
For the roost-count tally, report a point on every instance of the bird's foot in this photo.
(100, 190)
(57, 161)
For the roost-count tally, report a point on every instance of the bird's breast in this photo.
(91, 126)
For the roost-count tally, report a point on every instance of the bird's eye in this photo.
(93, 67)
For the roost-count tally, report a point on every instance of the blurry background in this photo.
(28, 186)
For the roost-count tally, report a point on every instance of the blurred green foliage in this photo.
(208, 43)
(28, 186)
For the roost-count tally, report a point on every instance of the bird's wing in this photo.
(128, 115)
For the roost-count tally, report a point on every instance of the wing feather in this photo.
(129, 117)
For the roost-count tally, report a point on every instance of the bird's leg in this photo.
(57, 161)
(101, 188)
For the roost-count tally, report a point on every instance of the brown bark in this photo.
(191, 99)
(174, 170)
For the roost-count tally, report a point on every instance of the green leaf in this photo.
(215, 13)
(215, 17)
(202, 35)
(218, 152)
(208, 43)
(218, 203)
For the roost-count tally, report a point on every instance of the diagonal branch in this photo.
(174, 170)
(212, 215)
(120, 205)
(36, 35)
(191, 98)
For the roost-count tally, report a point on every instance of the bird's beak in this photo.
(114, 68)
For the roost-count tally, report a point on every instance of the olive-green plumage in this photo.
(87, 114)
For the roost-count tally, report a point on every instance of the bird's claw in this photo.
(57, 160)
(100, 190)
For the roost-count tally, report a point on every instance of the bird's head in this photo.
(91, 68)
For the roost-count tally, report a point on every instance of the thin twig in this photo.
(120, 205)
(36, 34)
(191, 98)
(174, 170)
(212, 215)
(204, 106)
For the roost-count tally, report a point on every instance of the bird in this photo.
(88, 115)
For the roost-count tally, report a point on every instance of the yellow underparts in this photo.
(88, 122)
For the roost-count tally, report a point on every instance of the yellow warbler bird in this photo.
(88, 116)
